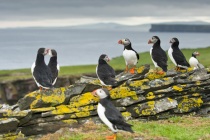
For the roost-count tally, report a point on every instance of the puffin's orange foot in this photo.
(132, 71)
(109, 88)
(113, 137)
(160, 72)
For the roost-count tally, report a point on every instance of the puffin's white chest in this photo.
(152, 58)
(101, 114)
(193, 62)
(130, 57)
(170, 51)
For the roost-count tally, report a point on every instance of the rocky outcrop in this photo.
(12, 91)
(144, 95)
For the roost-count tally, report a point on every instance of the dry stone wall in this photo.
(144, 95)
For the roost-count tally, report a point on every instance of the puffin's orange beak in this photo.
(120, 42)
(94, 93)
(149, 42)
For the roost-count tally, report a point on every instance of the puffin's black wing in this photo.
(106, 73)
(115, 117)
(180, 58)
(43, 76)
(137, 55)
(160, 57)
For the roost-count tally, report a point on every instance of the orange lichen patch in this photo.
(82, 100)
(122, 92)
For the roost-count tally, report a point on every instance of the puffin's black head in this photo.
(104, 57)
(52, 52)
(174, 41)
(124, 42)
(101, 93)
(43, 51)
(194, 54)
(153, 40)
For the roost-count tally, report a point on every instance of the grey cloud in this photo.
(58, 9)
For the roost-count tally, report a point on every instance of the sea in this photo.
(18, 46)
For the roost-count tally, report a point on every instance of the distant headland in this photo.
(179, 28)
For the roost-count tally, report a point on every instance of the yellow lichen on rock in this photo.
(138, 83)
(67, 109)
(52, 97)
(10, 113)
(187, 104)
(70, 121)
(178, 87)
(82, 114)
(44, 109)
(82, 100)
(154, 75)
(122, 92)
(150, 109)
(126, 115)
(140, 69)
(150, 95)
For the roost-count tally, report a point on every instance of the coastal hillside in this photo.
(179, 28)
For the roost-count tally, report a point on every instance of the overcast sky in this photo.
(22, 13)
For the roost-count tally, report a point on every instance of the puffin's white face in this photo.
(101, 93)
(50, 52)
(46, 51)
(172, 40)
(106, 58)
(196, 53)
(125, 42)
(153, 40)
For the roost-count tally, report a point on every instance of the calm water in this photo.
(18, 47)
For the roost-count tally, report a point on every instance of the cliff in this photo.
(179, 28)
(144, 95)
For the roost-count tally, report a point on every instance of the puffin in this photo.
(109, 114)
(176, 56)
(53, 65)
(105, 72)
(158, 55)
(194, 63)
(130, 55)
(40, 71)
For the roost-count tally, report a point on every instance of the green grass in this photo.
(117, 63)
(176, 128)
